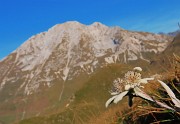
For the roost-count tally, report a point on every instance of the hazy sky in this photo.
(20, 19)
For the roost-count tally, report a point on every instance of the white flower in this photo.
(128, 86)
(117, 86)
(134, 79)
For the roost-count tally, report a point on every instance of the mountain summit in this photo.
(45, 69)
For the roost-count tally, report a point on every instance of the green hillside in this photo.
(89, 100)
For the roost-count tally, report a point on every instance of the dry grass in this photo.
(113, 115)
(144, 112)
(148, 112)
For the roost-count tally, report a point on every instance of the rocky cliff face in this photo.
(66, 51)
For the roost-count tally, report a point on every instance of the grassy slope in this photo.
(41, 103)
(89, 100)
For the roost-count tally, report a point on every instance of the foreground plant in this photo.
(131, 86)
(145, 112)
(164, 105)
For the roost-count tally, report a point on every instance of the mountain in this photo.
(42, 76)
(173, 34)
(173, 47)
(166, 59)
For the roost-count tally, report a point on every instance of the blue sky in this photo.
(20, 19)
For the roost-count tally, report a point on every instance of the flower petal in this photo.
(114, 93)
(110, 101)
(120, 96)
(127, 87)
(137, 69)
(142, 94)
(164, 105)
(171, 94)
(145, 80)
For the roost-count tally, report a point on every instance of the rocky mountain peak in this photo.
(73, 44)
(67, 51)
(98, 25)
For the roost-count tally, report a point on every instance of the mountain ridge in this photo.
(67, 54)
